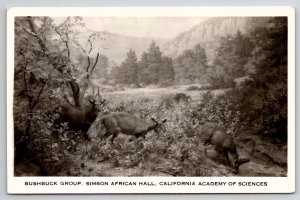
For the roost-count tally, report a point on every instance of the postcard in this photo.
(150, 100)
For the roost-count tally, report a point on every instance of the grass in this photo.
(151, 93)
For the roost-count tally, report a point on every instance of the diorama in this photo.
(150, 96)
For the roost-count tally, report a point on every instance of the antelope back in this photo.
(125, 122)
(79, 118)
(74, 116)
(128, 124)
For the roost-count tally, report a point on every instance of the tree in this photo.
(118, 74)
(166, 75)
(261, 101)
(218, 78)
(43, 62)
(101, 70)
(144, 75)
(233, 54)
(154, 68)
(154, 59)
(78, 76)
(183, 63)
(31, 76)
(190, 66)
(131, 68)
(269, 86)
(200, 58)
(127, 72)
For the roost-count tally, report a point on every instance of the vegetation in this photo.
(45, 74)
(153, 68)
(191, 65)
(52, 66)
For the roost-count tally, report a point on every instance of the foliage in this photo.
(127, 72)
(101, 71)
(174, 149)
(261, 101)
(153, 64)
(233, 53)
(269, 86)
(190, 66)
(218, 78)
(42, 66)
(153, 68)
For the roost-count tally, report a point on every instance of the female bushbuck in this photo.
(122, 122)
(223, 143)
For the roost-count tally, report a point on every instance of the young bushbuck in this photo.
(223, 143)
(126, 123)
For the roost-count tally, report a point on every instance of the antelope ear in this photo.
(103, 101)
(92, 101)
(243, 160)
(154, 120)
(164, 121)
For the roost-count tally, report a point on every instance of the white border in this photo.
(275, 184)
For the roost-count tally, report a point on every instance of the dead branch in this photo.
(29, 32)
(95, 63)
(39, 95)
(64, 41)
(90, 42)
(89, 63)
(80, 46)
(35, 33)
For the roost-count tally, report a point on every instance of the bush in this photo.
(43, 140)
(246, 108)
(171, 100)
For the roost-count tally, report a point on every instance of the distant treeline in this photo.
(233, 59)
(237, 55)
(152, 68)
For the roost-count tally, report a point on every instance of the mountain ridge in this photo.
(115, 46)
(207, 33)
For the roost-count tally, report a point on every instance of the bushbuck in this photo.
(79, 118)
(223, 143)
(126, 123)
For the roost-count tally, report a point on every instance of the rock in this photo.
(279, 157)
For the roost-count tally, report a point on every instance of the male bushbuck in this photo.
(223, 143)
(122, 122)
(79, 118)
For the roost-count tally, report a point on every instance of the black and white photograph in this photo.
(150, 96)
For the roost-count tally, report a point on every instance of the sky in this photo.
(153, 27)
